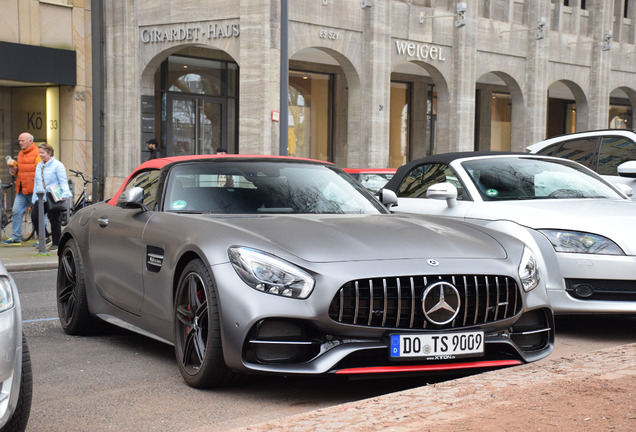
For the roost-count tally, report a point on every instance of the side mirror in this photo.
(627, 169)
(443, 191)
(387, 197)
(132, 198)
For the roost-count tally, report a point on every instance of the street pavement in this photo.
(26, 257)
(443, 406)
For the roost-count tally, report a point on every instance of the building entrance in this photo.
(196, 125)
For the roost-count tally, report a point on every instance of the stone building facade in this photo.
(371, 83)
(46, 78)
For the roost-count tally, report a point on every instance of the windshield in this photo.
(267, 187)
(528, 178)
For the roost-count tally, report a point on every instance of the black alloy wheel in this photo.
(72, 304)
(197, 328)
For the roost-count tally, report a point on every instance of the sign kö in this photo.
(420, 51)
(213, 31)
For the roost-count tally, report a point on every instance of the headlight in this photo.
(580, 242)
(269, 274)
(6, 294)
(528, 270)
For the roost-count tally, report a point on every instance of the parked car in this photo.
(16, 383)
(373, 179)
(296, 269)
(582, 224)
(609, 152)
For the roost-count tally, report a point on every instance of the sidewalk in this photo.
(25, 257)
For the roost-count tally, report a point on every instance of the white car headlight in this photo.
(581, 242)
(528, 270)
(6, 294)
(270, 274)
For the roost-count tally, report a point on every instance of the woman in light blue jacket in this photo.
(49, 172)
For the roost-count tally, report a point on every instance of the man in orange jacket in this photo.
(24, 171)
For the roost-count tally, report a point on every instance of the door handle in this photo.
(102, 221)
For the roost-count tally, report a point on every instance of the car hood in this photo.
(335, 238)
(611, 218)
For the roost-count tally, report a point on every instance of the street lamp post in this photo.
(284, 79)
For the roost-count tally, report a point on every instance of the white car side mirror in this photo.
(445, 191)
(627, 169)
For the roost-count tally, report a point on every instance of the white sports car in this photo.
(583, 225)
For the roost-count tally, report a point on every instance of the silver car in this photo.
(271, 265)
(582, 224)
(16, 383)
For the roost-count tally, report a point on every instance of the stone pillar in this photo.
(599, 91)
(260, 77)
(121, 94)
(536, 75)
(376, 88)
(462, 86)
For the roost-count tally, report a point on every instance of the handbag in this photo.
(55, 206)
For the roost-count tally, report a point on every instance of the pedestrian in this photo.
(24, 172)
(221, 151)
(50, 175)
(153, 148)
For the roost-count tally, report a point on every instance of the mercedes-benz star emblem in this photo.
(432, 262)
(440, 303)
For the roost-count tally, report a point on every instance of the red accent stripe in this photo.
(425, 368)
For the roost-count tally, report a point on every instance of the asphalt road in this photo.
(119, 381)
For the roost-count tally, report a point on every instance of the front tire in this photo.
(72, 304)
(197, 328)
(20, 417)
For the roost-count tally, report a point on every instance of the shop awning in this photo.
(30, 63)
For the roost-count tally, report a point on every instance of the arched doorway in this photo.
(567, 109)
(191, 105)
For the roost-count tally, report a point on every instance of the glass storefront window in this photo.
(310, 102)
(500, 122)
(399, 137)
(570, 118)
(199, 107)
(199, 76)
(620, 117)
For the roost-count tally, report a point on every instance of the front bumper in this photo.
(599, 284)
(263, 333)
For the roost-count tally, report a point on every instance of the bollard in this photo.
(41, 225)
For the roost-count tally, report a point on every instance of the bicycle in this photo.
(81, 201)
(7, 215)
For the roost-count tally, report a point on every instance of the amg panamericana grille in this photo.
(396, 302)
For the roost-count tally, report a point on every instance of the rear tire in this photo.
(72, 303)
(197, 328)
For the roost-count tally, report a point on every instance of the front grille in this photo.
(601, 289)
(396, 302)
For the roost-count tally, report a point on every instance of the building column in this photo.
(121, 94)
(535, 91)
(601, 14)
(259, 63)
(461, 133)
(373, 150)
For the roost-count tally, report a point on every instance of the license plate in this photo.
(437, 346)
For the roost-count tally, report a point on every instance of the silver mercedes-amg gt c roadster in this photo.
(278, 265)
